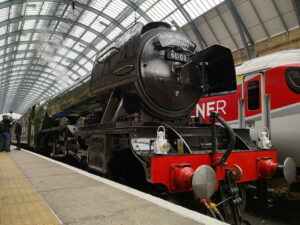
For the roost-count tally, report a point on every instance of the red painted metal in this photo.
(162, 173)
(266, 167)
(181, 175)
(227, 105)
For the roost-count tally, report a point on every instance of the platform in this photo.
(36, 190)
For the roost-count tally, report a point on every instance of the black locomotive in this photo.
(132, 123)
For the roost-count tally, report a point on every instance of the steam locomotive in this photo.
(131, 121)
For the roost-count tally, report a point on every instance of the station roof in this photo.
(47, 46)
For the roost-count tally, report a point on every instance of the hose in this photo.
(214, 207)
(211, 212)
(219, 214)
(231, 134)
(207, 206)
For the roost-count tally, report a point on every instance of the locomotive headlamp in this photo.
(264, 139)
(166, 147)
(161, 145)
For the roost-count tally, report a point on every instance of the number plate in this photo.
(177, 57)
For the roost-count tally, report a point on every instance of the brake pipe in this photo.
(214, 207)
(207, 206)
(232, 138)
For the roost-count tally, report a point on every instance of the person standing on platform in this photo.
(7, 131)
(18, 132)
(2, 136)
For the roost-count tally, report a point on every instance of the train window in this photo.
(253, 95)
(292, 76)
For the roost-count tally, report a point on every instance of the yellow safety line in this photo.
(20, 204)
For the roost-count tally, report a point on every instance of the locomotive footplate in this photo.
(159, 168)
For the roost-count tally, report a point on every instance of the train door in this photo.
(254, 108)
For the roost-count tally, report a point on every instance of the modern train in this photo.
(131, 121)
(267, 102)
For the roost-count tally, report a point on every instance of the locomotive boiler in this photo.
(131, 121)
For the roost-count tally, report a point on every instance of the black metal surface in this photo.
(159, 73)
(121, 53)
(97, 152)
(221, 76)
(165, 92)
(113, 107)
(244, 140)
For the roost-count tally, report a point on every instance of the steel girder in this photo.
(296, 6)
(279, 15)
(194, 28)
(137, 8)
(226, 28)
(244, 33)
(211, 29)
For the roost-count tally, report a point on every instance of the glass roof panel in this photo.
(98, 24)
(196, 8)
(2, 29)
(114, 33)
(72, 55)
(82, 72)
(89, 66)
(48, 8)
(79, 47)
(131, 19)
(114, 8)
(87, 18)
(89, 37)
(74, 77)
(77, 31)
(33, 8)
(4, 12)
(177, 17)
(100, 45)
(100, 5)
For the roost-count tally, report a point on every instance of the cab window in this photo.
(292, 76)
(253, 95)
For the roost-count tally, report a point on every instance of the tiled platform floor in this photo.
(20, 204)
